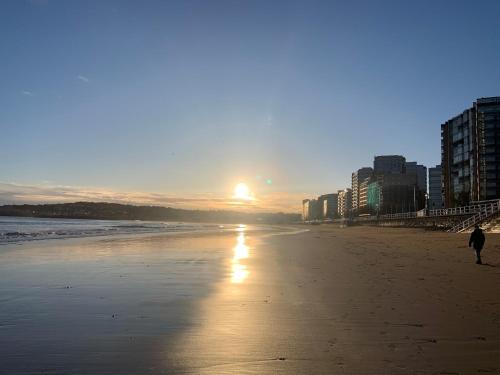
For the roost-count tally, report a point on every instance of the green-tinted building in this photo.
(374, 196)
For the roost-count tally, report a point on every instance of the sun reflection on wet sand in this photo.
(239, 272)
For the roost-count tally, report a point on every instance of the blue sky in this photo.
(186, 98)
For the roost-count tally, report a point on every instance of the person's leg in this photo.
(478, 257)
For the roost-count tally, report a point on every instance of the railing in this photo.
(465, 210)
(488, 211)
(402, 215)
(479, 211)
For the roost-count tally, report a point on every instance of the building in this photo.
(457, 135)
(320, 202)
(363, 196)
(385, 164)
(305, 209)
(310, 210)
(400, 193)
(374, 197)
(344, 202)
(420, 171)
(391, 193)
(400, 186)
(329, 205)
(470, 154)
(435, 189)
(356, 178)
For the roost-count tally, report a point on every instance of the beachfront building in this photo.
(435, 189)
(389, 164)
(310, 210)
(363, 196)
(420, 171)
(305, 209)
(397, 185)
(400, 193)
(470, 154)
(356, 179)
(329, 205)
(344, 202)
(374, 197)
(320, 203)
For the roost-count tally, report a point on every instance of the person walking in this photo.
(477, 239)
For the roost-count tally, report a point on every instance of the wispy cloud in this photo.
(38, 2)
(82, 78)
(27, 93)
(12, 193)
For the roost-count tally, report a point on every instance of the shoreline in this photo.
(63, 229)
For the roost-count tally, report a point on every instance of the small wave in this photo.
(15, 234)
(132, 226)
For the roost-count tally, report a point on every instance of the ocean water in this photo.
(19, 229)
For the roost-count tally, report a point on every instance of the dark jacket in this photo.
(477, 238)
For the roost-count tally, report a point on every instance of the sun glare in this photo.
(241, 191)
(241, 251)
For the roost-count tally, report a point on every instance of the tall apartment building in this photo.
(356, 179)
(345, 202)
(435, 190)
(305, 209)
(470, 154)
(320, 201)
(412, 168)
(385, 164)
(363, 196)
(310, 210)
(329, 205)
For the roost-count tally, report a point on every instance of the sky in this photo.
(175, 102)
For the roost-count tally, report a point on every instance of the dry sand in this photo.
(358, 300)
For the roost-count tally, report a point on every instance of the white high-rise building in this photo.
(357, 178)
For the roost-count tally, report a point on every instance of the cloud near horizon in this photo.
(12, 193)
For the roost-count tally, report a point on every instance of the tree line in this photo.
(115, 211)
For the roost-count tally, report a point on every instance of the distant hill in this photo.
(114, 211)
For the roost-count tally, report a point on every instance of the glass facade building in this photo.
(385, 164)
(470, 154)
(435, 188)
(412, 168)
(374, 197)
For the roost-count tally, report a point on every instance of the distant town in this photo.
(469, 173)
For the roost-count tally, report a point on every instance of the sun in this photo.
(241, 191)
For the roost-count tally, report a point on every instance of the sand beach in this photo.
(308, 300)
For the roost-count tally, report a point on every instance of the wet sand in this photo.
(356, 300)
